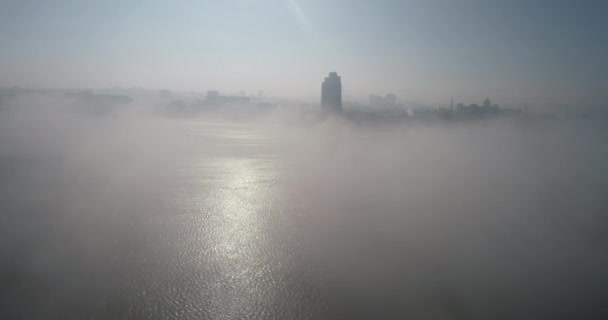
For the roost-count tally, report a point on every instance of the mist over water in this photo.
(287, 215)
(482, 220)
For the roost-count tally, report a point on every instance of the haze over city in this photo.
(290, 159)
(429, 51)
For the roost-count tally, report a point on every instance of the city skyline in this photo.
(514, 51)
(303, 159)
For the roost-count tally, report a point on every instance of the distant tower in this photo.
(331, 93)
(487, 103)
(452, 104)
(391, 101)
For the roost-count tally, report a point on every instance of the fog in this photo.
(479, 220)
(490, 218)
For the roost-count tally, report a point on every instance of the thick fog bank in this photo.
(451, 220)
(487, 219)
(72, 188)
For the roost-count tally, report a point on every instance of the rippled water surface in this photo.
(202, 235)
(179, 219)
(215, 248)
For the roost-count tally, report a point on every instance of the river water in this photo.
(220, 219)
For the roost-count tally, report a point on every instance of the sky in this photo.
(515, 51)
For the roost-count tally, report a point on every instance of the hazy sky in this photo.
(511, 50)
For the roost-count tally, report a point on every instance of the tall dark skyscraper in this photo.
(331, 93)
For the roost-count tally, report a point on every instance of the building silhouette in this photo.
(214, 98)
(388, 102)
(391, 100)
(331, 93)
(486, 109)
(487, 103)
